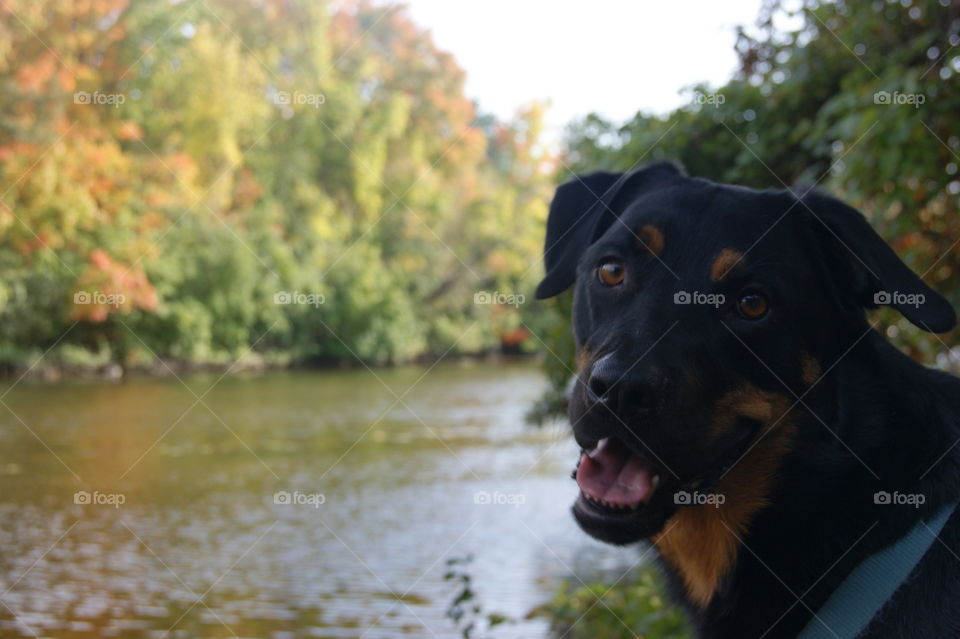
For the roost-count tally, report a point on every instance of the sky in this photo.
(613, 57)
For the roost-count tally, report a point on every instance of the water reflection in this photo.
(260, 511)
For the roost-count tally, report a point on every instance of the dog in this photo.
(736, 408)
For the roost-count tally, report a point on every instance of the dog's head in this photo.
(702, 312)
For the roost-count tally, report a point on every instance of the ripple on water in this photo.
(199, 545)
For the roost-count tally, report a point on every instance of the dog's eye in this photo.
(611, 271)
(752, 306)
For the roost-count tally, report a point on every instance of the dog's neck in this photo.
(833, 438)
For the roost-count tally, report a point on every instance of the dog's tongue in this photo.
(613, 474)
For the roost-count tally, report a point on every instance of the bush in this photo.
(633, 608)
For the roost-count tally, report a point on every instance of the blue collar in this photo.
(860, 596)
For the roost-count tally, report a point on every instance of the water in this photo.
(288, 504)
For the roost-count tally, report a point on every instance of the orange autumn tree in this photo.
(107, 287)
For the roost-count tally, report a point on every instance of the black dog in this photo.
(736, 408)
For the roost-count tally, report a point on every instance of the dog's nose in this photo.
(623, 385)
(604, 377)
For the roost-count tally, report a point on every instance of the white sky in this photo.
(610, 56)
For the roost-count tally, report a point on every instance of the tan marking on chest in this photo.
(702, 542)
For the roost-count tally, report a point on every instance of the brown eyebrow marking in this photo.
(725, 262)
(650, 239)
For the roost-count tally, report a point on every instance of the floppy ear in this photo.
(879, 277)
(582, 210)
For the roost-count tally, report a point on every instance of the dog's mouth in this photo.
(625, 496)
(613, 478)
(621, 493)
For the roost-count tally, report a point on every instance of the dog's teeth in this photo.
(654, 482)
(600, 444)
(611, 505)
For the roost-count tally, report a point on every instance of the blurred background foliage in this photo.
(818, 106)
(198, 158)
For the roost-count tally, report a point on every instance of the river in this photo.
(285, 504)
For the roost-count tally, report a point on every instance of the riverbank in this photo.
(53, 370)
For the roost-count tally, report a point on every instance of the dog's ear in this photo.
(877, 277)
(582, 210)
